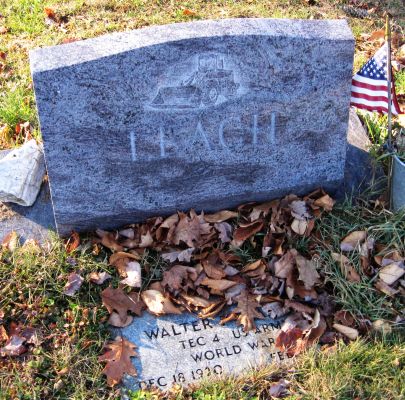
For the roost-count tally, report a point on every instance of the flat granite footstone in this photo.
(182, 349)
(204, 115)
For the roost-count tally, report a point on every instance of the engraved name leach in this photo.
(202, 137)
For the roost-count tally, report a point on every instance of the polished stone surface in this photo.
(204, 115)
(182, 349)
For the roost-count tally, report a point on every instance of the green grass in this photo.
(361, 370)
(65, 366)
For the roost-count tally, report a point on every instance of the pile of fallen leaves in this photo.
(207, 273)
(234, 265)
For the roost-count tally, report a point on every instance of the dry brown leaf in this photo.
(115, 320)
(99, 277)
(384, 288)
(247, 310)
(352, 240)
(299, 210)
(351, 333)
(11, 241)
(133, 272)
(285, 265)
(73, 284)
(181, 255)
(118, 300)
(118, 359)
(220, 216)
(158, 304)
(187, 231)
(146, 240)
(213, 271)
(391, 273)
(220, 285)
(14, 346)
(348, 270)
(275, 309)
(109, 240)
(189, 13)
(289, 341)
(176, 277)
(254, 269)
(225, 231)
(3, 30)
(73, 242)
(296, 306)
(244, 232)
(299, 226)
(307, 272)
(326, 202)
(196, 301)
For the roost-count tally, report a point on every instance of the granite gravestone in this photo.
(182, 349)
(202, 115)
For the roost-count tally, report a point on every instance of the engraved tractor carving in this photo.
(203, 87)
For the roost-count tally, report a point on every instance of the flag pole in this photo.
(389, 80)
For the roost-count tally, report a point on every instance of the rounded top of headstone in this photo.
(103, 46)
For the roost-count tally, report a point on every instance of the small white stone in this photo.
(21, 174)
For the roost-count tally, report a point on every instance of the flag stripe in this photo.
(368, 86)
(370, 108)
(368, 97)
(370, 92)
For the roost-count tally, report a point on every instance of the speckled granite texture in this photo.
(205, 114)
(183, 349)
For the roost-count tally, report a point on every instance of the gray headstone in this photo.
(202, 115)
(182, 349)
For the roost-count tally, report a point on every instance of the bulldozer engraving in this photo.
(203, 88)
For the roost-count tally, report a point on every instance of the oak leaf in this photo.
(180, 255)
(175, 278)
(117, 300)
(187, 231)
(158, 304)
(118, 359)
(247, 310)
(307, 272)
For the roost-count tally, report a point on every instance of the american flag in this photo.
(370, 85)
